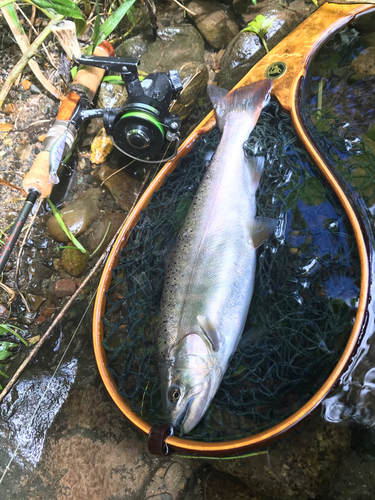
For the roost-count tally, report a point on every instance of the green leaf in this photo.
(74, 71)
(13, 14)
(60, 221)
(114, 79)
(80, 26)
(64, 7)
(12, 330)
(131, 15)
(95, 36)
(112, 21)
(260, 25)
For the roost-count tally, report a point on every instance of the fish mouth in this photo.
(180, 419)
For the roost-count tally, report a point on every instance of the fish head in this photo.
(190, 376)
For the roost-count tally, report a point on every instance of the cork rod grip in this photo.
(91, 77)
(38, 176)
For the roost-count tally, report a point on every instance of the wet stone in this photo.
(111, 95)
(64, 288)
(182, 44)
(215, 22)
(194, 78)
(298, 467)
(135, 46)
(35, 301)
(170, 479)
(74, 261)
(363, 65)
(122, 186)
(48, 308)
(246, 49)
(77, 215)
(99, 229)
(28, 318)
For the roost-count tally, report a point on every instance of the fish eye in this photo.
(174, 394)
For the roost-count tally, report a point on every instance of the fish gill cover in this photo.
(304, 302)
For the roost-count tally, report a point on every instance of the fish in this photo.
(210, 272)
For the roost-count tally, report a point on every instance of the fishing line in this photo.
(48, 386)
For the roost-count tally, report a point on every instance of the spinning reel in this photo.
(142, 128)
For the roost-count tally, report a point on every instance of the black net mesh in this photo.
(304, 303)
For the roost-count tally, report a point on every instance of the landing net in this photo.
(304, 303)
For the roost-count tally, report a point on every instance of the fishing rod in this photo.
(142, 128)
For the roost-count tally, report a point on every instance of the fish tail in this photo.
(250, 98)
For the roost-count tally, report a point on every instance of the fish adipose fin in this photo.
(250, 98)
(210, 331)
(261, 229)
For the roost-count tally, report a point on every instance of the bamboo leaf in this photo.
(95, 36)
(59, 219)
(63, 7)
(13, 14)
(112, 21)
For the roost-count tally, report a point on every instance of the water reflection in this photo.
(29, 410)
(338, 107)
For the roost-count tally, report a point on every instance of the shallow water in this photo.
(338, 106)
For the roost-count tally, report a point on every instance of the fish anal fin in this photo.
(261, 229)
(210, 331)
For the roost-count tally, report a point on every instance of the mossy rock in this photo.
(74, 261)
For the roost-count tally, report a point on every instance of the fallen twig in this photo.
(115, 173)
(18, 68)
(11, 292)
(185, 8)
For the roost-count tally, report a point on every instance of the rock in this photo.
(246, 49)
(101, 147)
(77, 215)
(194, 77)
(74, 261)
(122, 186)
(3, 310)
(300, 466)
(64, 288)
(26, 84)
(183, 43)
(242, 6)
(135, 46)
(28, 318)
(169, 481)
(99, 228)
(111, 95)
(35, 301)
(363, 65)
(48, 308)
(42, 271)
(34, 89)
(215, 22)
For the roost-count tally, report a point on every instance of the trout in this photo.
(210, 272)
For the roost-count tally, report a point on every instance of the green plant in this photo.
(7, 346)
(260, 25)
(61, 223)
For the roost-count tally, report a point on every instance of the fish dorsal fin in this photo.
(250, 98)
(261, 229)
(210, 331)
(256, 165)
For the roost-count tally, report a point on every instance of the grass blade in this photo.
(59, 219)
(110, 24)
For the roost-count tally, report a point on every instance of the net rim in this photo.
(236, 446)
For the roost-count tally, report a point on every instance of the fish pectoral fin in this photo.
(209, 329)
(261, 229)
(256, 165)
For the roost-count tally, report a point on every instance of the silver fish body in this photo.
(209, 278)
